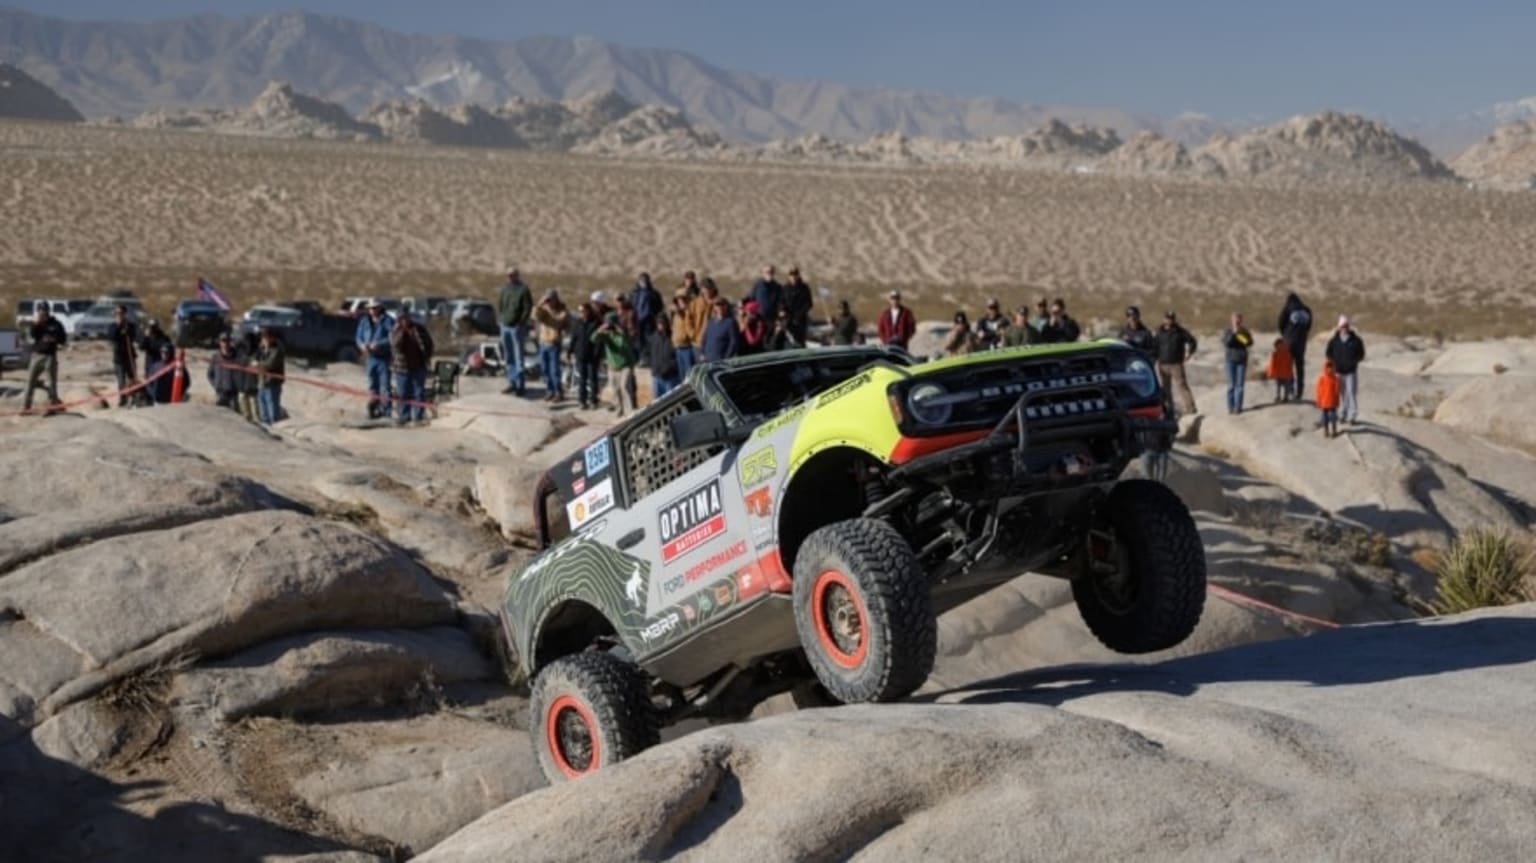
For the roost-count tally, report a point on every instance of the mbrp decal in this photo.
(691, 520)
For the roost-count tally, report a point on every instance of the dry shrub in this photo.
(1484, 568)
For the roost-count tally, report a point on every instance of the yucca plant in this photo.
(1484, 568)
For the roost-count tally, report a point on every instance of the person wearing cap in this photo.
(47, 336)
(1346, 350)
(513, 309)
(373, 330)
(797, 306)
(553, 320)
(896, 325)
(410, 351)
(685, 330)
(620, 354)
(1175, 345)
(1137, 334)
(1022, 332)
(1237, 340)
(224, 374)
(992, 328)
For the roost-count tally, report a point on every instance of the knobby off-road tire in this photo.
(863, 612)
(589, 710)
(1155, 601)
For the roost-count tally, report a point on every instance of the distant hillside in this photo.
(121, 68)
(1329, 145)
(23, 96)
(1504, 160)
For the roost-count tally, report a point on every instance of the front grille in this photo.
(1063, 386)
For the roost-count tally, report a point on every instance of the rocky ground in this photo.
(220, 642)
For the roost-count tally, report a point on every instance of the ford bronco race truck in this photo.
(794, 522)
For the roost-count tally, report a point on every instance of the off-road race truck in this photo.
(795, 521)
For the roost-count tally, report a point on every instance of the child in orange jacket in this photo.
(1281, 370)
(1328, 399)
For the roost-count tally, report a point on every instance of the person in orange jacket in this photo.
(1328, 399)
(1281, 370)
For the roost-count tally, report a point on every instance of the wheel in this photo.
(346, 354)
(863, 612)
(589, 710)
(1153, 597)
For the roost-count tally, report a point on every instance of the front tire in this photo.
(589, 710)
(1154, 598)
(863, 612)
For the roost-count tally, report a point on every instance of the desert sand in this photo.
(91, 208)
(224, 642)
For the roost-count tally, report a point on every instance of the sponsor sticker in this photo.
(758, 467)
(724, 592)
(759, 502)
(688, 611)
(714, 562)
(591, 504)
(579, 485)
(576, 467)
(844, 388)
(634, 588)
(781, 420)
(749, 583)
(597, 457)
(691, 520)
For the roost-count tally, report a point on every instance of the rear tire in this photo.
(863, 612)
(589, 710)
(1154, 600)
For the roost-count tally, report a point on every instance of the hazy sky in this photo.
(1229, 58)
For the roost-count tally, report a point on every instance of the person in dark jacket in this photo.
(1059, 326)
(781, 337)
(123, 335)
(224, 374)
(1175, 345)
(797, 306)
(1346, 351)
(646, 301)
(845, 327)
(1295, 326)
(722, 338)
(992, 327)
(47, 336)
(271, 367)
(248, 383)
(513, 308)
(1137, 334)
(157, 349)
(663, 357)
(768, 294)
(410, 352)
(1237, 340)
(584, 354)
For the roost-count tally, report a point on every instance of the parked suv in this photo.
(97, 320)
(197, 323)
(795, 521)
(68, 312)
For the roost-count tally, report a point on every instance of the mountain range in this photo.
(210, 61)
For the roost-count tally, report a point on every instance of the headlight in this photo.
(1141, 378)
(926, 404)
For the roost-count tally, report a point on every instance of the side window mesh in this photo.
(650, 460)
